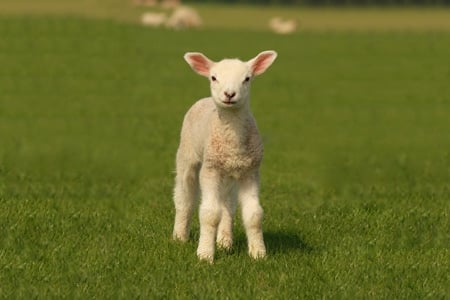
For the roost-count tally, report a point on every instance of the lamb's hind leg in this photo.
(185, 193)
(225, 231)
(252, 215)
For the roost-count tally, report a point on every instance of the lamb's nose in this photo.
(230, 95)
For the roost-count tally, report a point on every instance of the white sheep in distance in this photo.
(153, 19)
(184, 17)
(220, 152)
(281, 26)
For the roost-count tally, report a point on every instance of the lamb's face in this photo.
(230, 83)
(230, 78)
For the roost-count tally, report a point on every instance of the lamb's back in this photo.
(196, 126)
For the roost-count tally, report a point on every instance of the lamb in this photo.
(281, 26)
(184, 17)
(219, 156)
(153, 19)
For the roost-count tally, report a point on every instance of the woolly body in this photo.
(224, 141)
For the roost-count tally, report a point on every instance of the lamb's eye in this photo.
(247, 79)
(213, 78)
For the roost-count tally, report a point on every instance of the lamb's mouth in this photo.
(229, 102)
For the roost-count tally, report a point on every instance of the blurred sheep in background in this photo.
(280, 26)
(153, 19)
(184, 17)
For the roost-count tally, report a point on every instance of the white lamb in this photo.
(153, 19)
(220, 152)
(184, 17)
(281, 26)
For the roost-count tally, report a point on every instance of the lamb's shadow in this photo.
(278, 242)
(285, 242)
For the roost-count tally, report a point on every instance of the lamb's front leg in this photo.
(252, 215)
(186, 189)
(210, 214)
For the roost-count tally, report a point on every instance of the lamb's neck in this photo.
(233, 120)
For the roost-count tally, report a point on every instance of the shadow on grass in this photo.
(277, 242)
(285, 242)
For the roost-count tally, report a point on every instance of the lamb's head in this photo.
(230, 78)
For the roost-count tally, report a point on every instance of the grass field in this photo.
(355, 180)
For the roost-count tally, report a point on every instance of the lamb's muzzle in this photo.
(230, 95)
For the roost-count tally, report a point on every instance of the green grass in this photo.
(355, 180)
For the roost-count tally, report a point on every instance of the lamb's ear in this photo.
(199, 62)
(262, 61)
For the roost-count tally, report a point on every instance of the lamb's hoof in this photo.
(225, 244)
(180, 237)
(257, 253)
(207, 257)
